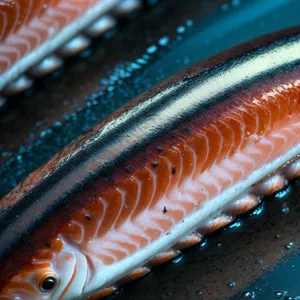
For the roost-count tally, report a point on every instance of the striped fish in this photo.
(180, 161)
(36, 34)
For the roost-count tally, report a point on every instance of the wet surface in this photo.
(259, 256)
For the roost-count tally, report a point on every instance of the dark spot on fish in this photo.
(155, 164)
(88, 217)
(165, 210)
(47, 244)
(173, 170)
(159, 149)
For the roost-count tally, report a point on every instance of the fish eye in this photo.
(48, 283)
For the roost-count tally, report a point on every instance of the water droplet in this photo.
(57, 124)
(264, 268)
(181, 29)
(248, 295)
(258, 210)
(259, 261)
(231, 285)
(279, 294)
(152, 49)
(283, 192)
(285, 210)
(236, 224)
(43, 133)
(289, 246)
(189, 23)
(141, 61)
(163, 41)
(204, 243)
(177, 259)
(135, 66)
(199, 292)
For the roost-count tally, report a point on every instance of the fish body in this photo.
(180, 161)
(36, 34)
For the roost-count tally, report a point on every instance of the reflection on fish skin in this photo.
(181, 161)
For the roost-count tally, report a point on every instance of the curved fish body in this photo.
(180, 161)
(36, 34)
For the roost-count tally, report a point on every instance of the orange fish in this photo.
(35, 35)
(180, 161)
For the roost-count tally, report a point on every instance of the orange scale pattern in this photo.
(132, 213)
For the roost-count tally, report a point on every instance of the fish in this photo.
(180, 161)
(37, 35)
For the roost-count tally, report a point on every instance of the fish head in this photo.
(58, 271)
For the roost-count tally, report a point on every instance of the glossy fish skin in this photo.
(155, 171)
(33, 29)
